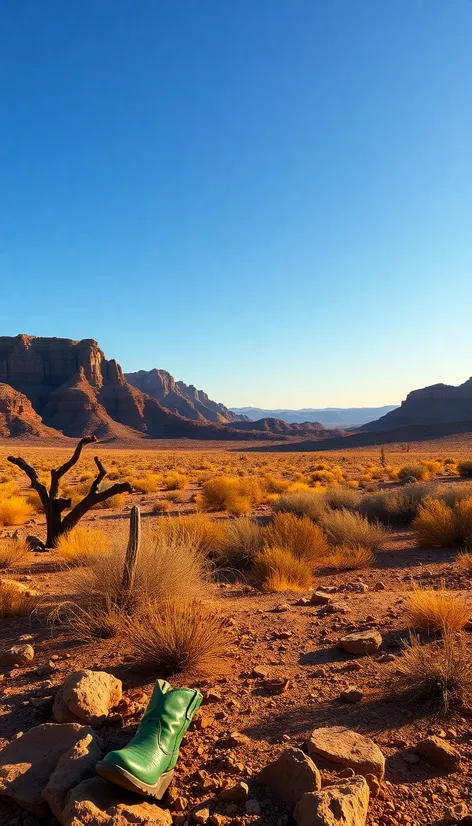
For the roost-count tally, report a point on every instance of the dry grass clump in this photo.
(342, 498)
(225, 493)
(465, 468)
(352, 529)
(278, 569)
(416, 471)
(439, 526)
(12, 551)
(438, 674)
(204, 535)
(454, 493)
(349, 558)
(395, 506)
(16, 600)
(149, 483)
(298, 535)
(274, 485)
(303, 503)
(116, 502)
(464, 561)
(15, 511)
(83, 546)
(170, 566)
(175, 481)
(173, 637)
(436, 611)
(243, 540)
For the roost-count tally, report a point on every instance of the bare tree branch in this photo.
(100, 476)
(32, 475)
(91, 500)
(57, 473)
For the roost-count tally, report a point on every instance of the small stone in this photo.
(212, 696)
(17, 655)
(352, 695)
(235, 794)
(362, 642)
(201, 814)
(379, 586)
(260, 671)
(373, 784)
(87, 697)
(253, 807)
(345, 802)
(439, 752)
(320, 598)
(47, 668)
(347, 748)
(277, 686)
(457, 813)
(237, 739)
(291, 775)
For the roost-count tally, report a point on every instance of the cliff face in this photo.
(70, 386)
(181, 398)
(437, 404)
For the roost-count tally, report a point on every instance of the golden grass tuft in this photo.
(16, 600)
(225, 493)
(416, 471)
(436, 611)
(438, 525)
(465, 468)
(83, 546)
(243, 540)
(278, 569)
(303, 503)
(204, 535)
(174, 637)
(350, 529)
(12, 551)
(299, 535)
(15, 511)
(349, 558)
(438, 674)
(464, 561)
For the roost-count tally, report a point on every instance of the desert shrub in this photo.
(309, 504)
(161, 506)
(173, 637)
(465, 468)
(415, 471)
(244, 539)
(394, 506)
(439, 526)
(15, 600)
(342, 498)
(299, 535)
(349, 558)
(464, 561)
(148, 484)
(350, 529)
(170, 566)
(116, 502)
(83, 546)
(224, 493)
(274, 485)
(8, 488)
(206, 536)
(433, 466)
(453, 493)
(12, 551)
(175, 481)
(14, 511)
(277, 569)
(33, 499)
(438, 674)
(436, 611)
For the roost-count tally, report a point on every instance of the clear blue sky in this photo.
(271, 199)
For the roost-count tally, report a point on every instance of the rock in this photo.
(343, 804)
(260, 671)
(439, 753)
(291, 775)
(201, 814)
(379, 586)
(17, 655)
(362, 642)
(347, 748)
(352, 695)
(73, 767)
(277, 686)
(253, 807)
(35, 543)
(212, 696)
(373, 784)
(46, 669)
(411, 759)
(235, 794)
(320, 598)
(28, 764)
(98, 803)
(457, 813)
(87, 697)
(237, 739)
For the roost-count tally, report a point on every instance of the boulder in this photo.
(236, 794)
(439, 753)
(28, 765)
(98, 803)
(291, 775)
(346, 748)
(73, 767)
(320, 598)
(17, 655)
(343, 804)
(362, 642)
(87, 697)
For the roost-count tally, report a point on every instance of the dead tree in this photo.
(54, 505)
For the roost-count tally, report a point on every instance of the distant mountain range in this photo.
(329, 417)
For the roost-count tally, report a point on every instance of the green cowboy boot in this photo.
(146, 764)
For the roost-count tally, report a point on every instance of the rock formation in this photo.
(437, 404)
(181, 398)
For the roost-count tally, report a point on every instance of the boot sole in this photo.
(120, 777)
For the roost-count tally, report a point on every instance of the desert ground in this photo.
(253, 566)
